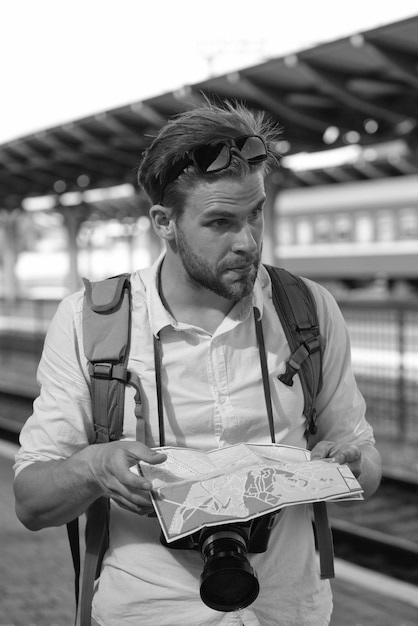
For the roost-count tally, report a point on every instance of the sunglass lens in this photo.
(212, 158)
(252, 149)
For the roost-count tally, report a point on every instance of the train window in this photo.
(408, 223)
(343, 227)
(323, 230)
(385, 226)
(364, 230)
(284, 232)
(304, 232)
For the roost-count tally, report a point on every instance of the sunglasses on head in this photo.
(217, 156)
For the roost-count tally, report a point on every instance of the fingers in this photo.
(133, 497)
(110, 465)
(348, 454)
(140, 452)
(147, 509)
(322, 450)
(351, 456)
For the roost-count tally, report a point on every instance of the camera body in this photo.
(228, 581)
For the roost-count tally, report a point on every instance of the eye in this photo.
(220, 222)
(256, 213)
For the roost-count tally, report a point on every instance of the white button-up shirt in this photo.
(212, 396)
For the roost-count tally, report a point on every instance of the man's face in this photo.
(219, 235)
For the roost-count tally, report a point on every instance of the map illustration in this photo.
(193, 489)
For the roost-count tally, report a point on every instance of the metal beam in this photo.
(332, 84)
(148, 113)
(119, 130)
(280, 110)
(94, 145)
(405, 64)
(339, 174)
(368, 169)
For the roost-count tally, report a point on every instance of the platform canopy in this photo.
(358, 90)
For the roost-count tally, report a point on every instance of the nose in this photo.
(245, 241)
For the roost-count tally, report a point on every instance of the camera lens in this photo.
(228, 582)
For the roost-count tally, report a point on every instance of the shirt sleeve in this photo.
(61, 422)
(340, 405)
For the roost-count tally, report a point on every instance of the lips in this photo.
(242, 264)
(241, 267)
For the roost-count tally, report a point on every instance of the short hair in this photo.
(190, 129)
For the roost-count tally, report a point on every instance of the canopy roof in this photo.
(361, 89)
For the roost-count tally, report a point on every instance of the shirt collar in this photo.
(160, 318)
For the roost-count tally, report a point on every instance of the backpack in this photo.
(106, 336)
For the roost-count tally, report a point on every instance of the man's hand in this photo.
(349, 454)
(51, 493)
(363, 460)
(108, 466)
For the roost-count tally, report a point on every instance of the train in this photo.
(355, 233)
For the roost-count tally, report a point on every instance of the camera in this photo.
(228, 581)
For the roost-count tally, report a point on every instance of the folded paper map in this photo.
(193, 489)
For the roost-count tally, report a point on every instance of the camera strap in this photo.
(264, 371)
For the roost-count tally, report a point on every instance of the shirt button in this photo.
(222, 399)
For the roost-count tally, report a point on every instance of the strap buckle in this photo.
(103, 371)
(308, 347)
(313, 344)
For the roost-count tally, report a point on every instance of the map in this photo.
(193, 489)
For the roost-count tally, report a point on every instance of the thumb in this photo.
(141, 452)
(156, 457)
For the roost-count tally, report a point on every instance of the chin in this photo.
(240, 289)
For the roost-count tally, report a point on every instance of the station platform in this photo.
(36, 577)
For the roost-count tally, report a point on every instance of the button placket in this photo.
(219, 366)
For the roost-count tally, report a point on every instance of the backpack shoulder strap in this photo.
(296, 308)
(106, 339)
(106, 334)
(297, 312)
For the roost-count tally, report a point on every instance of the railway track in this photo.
(380, 534)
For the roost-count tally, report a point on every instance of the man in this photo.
(204, 174)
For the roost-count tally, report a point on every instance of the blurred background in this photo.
(86, 85)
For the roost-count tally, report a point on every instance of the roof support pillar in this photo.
(269, 241)
(73, 218)
(9, 253)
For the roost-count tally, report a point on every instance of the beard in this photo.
(201, 274)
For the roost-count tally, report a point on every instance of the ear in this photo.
(162, 221)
